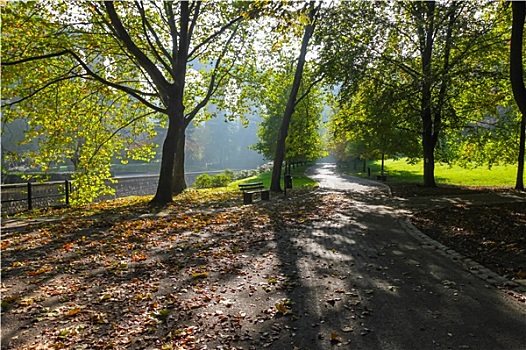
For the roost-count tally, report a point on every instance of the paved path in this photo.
(374, 285)
(327, 177)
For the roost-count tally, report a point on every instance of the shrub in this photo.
(203, 181)
(219, 180)
(223, 179)
(230, 174)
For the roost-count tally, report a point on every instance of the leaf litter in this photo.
(204, 273)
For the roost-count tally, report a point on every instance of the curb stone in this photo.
(473, 267)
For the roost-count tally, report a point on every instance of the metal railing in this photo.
(22, 196)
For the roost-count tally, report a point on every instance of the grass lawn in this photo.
(399, 171)
(299, 179)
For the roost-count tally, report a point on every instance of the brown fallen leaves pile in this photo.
(493, 235)
(121, 275)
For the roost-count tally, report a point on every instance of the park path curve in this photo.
(328, 178)
(401, 293)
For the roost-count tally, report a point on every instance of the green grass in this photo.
(299, 179)
(399, 171)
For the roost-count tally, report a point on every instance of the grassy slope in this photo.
(399, 171)
(298, 179)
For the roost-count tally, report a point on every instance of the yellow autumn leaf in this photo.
(335, 337)
(74, 311)
(281, 308)
(26, 301)
(197, 275)
(40, 271)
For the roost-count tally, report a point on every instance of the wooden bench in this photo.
(249, 189)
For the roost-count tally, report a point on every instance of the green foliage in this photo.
(304, 141)
(491, 141)
(71, 120)
(117, 63)
(390, 88)
(203, 181)
(219, 180)
(230, 174)
(369, 125)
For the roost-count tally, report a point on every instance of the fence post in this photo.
(66, 185)
(29, 202)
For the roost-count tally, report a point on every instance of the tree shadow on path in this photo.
(360, 280)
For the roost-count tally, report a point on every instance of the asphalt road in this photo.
(366, 283)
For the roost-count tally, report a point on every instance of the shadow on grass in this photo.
(395, 176)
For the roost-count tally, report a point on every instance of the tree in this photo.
(74, 123)
(432, 45)
(275, 185)
(517, 80)
(303, 141)
(370, 125)
(156, 47)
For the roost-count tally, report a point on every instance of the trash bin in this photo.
(288, 181)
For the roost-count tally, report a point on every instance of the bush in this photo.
(231, 175)
(219, 180)
(203, 181)
(227, 176)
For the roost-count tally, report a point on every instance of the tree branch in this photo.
(131, 121)
(126, 89)
(212, 85)
(9, 104)
(143, 60)
(194, 19)
(320, 78)
(35, 58)
(173, 32)
(147, 28)
(213, 36)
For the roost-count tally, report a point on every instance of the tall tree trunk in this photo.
(429, 161)
(517, 80)
(165, 185)
(519, 183)
(429, 136)
(275, 184)
(179, 181)
(171, 177)
(428, 132)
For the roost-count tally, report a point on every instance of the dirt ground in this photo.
(494, 235)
